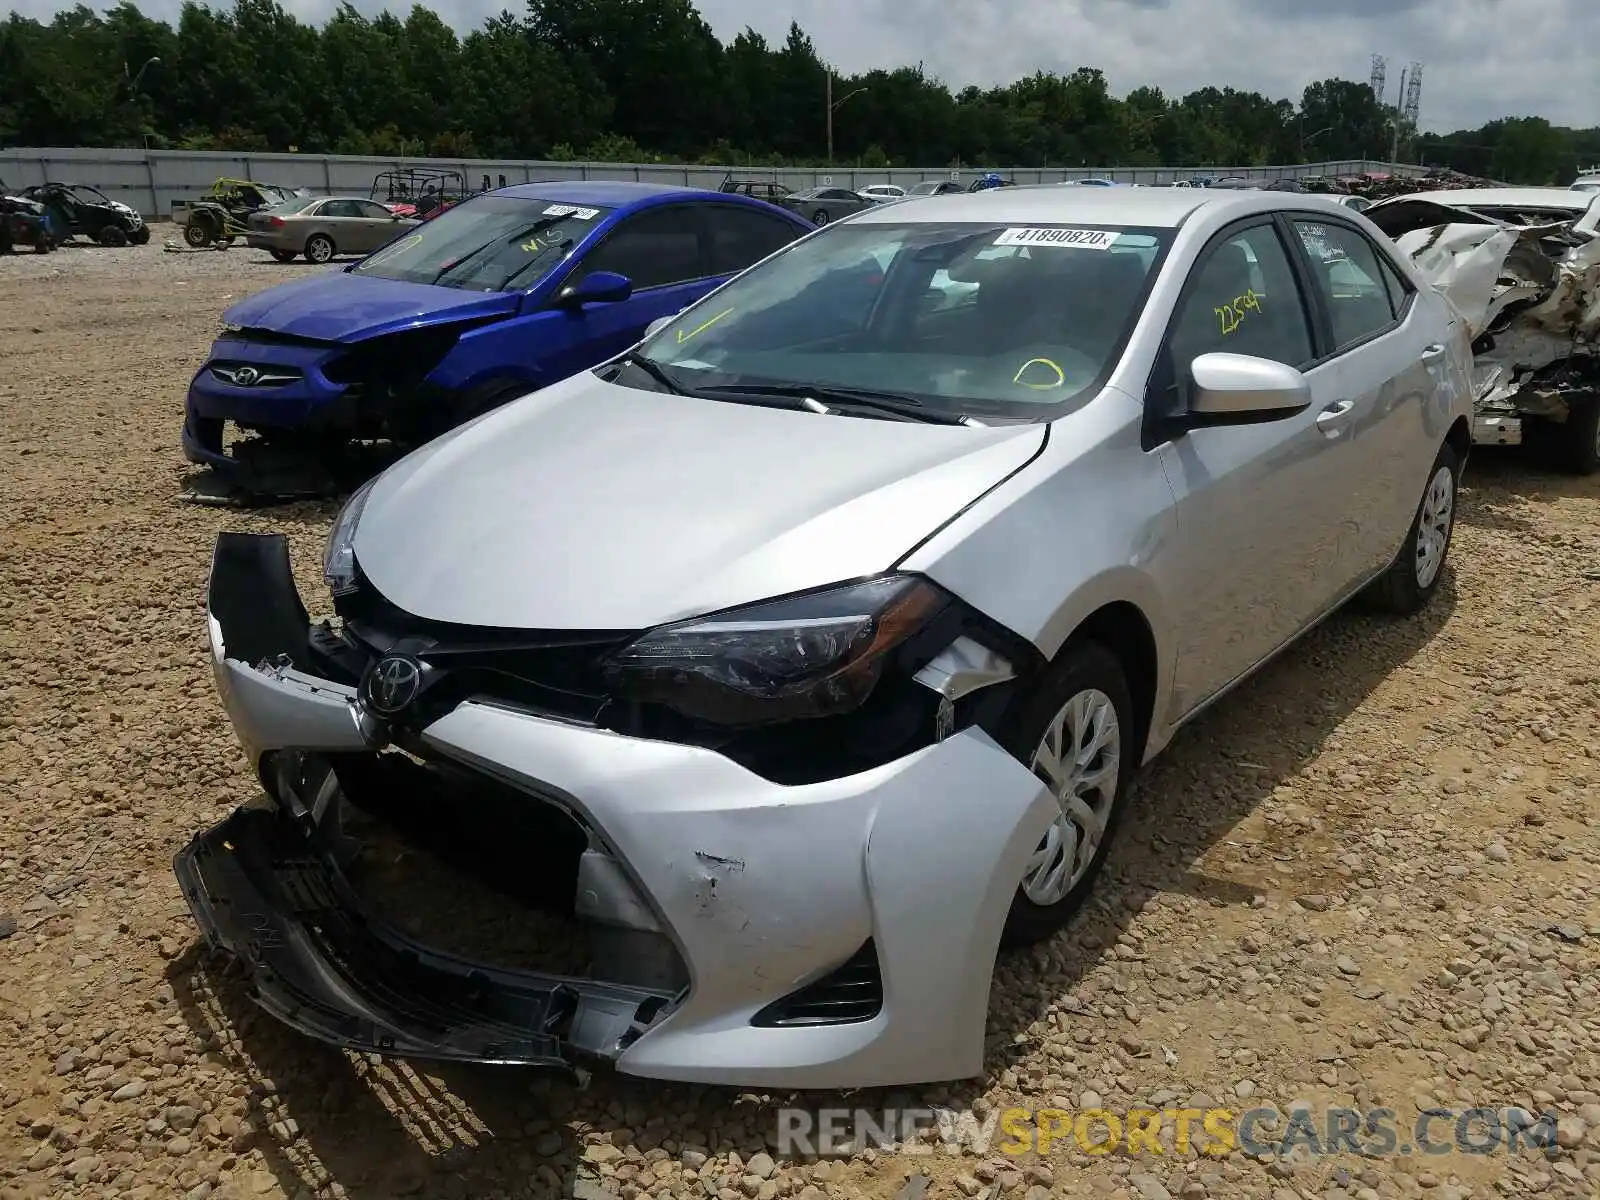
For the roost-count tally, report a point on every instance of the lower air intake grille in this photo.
(844, 996)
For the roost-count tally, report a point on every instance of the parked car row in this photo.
(718, 603)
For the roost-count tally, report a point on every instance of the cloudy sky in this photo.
(1482, 58)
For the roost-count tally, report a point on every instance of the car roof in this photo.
(612, 193)
(1048, 203)
(1515, 197)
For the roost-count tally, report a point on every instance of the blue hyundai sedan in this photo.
(499, 296)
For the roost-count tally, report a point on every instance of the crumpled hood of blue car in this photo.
(340, 307)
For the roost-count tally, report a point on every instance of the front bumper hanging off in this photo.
(262, 893)
(775, 899)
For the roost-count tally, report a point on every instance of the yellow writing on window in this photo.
(1232, 314)
(1039, 382)
(702, 327)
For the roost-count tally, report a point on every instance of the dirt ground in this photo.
(1370, 878)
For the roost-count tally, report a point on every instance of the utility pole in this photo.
(832, 105)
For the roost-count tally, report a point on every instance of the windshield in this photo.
(490, 243)
(924, 189)
(967, 318)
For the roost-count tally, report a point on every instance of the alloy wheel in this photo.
(1080, 758)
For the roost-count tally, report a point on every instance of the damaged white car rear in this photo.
(801, 657)
(1522, 266)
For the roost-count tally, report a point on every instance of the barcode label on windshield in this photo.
(1076, 239)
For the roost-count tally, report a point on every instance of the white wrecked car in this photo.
(1522, 265)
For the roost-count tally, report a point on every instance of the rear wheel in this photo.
(1413, 577)
(112, 235)
(319, 248)
(1076, 733)
(820, 217)
(1572, 445)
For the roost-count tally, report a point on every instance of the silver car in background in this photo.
(322, 227)
(829, 624)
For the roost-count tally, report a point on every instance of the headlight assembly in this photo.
(339, 559)
(812, 655)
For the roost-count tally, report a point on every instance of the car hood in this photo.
(340, 307)
(598, 507)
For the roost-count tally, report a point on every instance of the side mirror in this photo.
(1240, 389)
(598, 287)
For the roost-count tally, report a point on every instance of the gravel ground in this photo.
(1368, 878)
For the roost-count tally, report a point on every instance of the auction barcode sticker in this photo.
(1078, 239)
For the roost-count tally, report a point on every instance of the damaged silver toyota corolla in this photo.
(801, 656)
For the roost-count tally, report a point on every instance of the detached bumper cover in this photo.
(316, 962)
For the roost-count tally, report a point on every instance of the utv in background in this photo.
(422, 192)
(24, 222)
(223, 213)
(84, 211)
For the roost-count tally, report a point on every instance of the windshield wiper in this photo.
(656, 371)
(835, 398)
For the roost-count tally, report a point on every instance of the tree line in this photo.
(647, 80)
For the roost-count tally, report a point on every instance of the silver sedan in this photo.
(321, 227)
(895, 557)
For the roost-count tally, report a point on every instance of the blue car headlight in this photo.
(339, 559)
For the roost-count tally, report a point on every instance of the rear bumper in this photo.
(763, 889)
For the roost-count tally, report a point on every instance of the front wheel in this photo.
(112, 235)
(1076, 733)
(197, 234)
(1413, 577)
(142, 237)
(319, 248)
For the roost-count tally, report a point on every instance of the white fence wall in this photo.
(152, 180)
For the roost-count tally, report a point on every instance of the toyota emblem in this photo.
(392, 683)
(246, 376)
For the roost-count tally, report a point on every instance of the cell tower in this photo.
(1412, 105)
(1380, 73)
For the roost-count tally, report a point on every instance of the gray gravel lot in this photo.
(1369, 878)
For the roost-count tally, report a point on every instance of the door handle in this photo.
(1435, 351)
(1335, 417)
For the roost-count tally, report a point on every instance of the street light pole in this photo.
(832, 105)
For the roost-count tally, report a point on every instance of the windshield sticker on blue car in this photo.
(571, 210)
(1074, 239)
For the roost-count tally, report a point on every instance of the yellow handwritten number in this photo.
(1061, 376)
(1231, 315)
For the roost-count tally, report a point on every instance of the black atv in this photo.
(84, 211)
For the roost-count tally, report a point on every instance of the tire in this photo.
(43, 246)
(197, 233)
(224, 242)
(284, 256)
(1085, 681)
(820, 217)
(1413, 577)
(142, 236)
(319, 249)
(112, 235)
(1574, 446)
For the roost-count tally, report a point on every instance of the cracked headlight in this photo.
(811, 655)
(339, 559)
